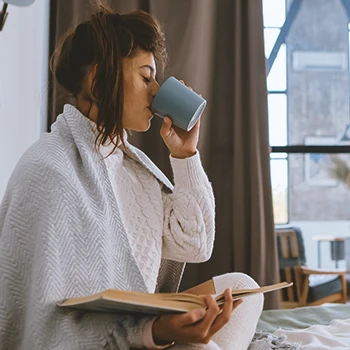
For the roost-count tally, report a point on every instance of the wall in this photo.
(23, 82)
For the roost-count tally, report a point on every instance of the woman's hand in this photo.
(196, 326)
(181, 143)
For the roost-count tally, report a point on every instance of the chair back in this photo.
(291, 255)
(347, 254)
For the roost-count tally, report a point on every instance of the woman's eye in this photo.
(147, 80)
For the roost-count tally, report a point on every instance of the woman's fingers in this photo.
(224, 317)
(166, 129)
(211, 313)
(196, 326)
(225, 314)
(236, 303)
(168, 121)
(178, 327)
(197, 125)
(191, 317)
(182, 82)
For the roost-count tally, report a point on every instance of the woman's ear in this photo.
(90, 78)
(93, 70)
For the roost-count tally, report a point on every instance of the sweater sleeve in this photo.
(189, 213)
(134, 329)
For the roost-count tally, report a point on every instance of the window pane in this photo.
(277, 104)
(279, 184)
(277, 78)
(318, 201)
(349, 47)
(318, 79)
(274, 12)
(278, 155)
(270, 36)
(319, 188)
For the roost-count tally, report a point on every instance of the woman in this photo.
(85, 211)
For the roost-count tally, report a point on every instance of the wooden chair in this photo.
(311, 287)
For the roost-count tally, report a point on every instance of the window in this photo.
(308, 107)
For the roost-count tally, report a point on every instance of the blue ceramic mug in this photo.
(182, 105)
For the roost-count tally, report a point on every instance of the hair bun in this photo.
(76, 54)
(82, 50)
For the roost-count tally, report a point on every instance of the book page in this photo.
(241, 293)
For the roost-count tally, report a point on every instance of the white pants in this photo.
(238, 332)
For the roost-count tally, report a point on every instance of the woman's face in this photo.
(140, 87)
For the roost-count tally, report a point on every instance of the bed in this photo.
(313, 327)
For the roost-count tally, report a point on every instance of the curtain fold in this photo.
(217, 48)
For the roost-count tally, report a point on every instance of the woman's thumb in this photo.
(165, 130)
(194, 316)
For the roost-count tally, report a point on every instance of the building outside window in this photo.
(307, 54)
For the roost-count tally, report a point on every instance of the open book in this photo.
(113, 300)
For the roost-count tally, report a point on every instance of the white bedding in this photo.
(335, 336)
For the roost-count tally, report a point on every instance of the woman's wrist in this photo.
(157, 335)
(183, 155)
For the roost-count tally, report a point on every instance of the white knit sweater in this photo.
(177, 226)
(62, 236)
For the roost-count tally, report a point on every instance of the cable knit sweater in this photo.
(177, 226)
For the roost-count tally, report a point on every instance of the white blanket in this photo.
(335, 336)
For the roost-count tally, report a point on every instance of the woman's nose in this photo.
(155, 88)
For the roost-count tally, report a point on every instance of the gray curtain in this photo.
(217, 48)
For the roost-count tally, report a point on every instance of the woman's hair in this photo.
(105, 39)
